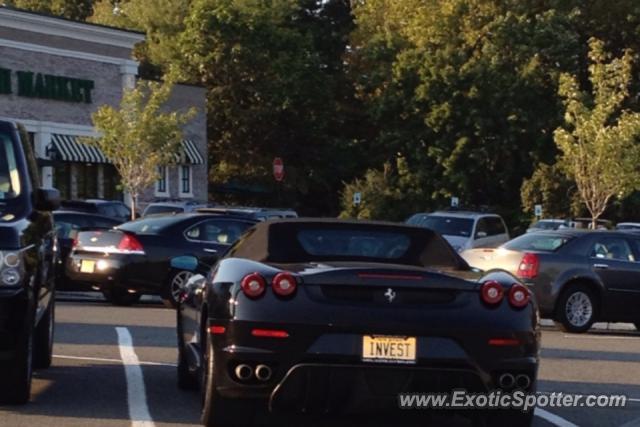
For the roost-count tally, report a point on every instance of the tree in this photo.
(598, 142)
(275, 88)
(162, 21)
(551, 188)
(139, 136)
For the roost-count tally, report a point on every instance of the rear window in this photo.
(67, 226)
(148, 225)
(354, 243)
(160, 209)
(445, 225)
(537, 242)
(546, 225)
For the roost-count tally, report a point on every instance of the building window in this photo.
(185, 180)
(161, 183)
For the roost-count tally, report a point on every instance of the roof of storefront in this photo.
(21, 18)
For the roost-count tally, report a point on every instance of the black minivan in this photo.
(27, 258)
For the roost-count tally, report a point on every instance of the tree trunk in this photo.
(134, 205)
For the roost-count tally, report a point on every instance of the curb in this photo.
(600, 326)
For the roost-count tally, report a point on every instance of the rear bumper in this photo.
(111, 271)
(324, 372)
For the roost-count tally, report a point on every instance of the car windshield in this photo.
(9, 174)
(354, 243)
(149, 225)
(445, 225)
(162, 209)
(537, 242)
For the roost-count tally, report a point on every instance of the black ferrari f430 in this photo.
(340, 317)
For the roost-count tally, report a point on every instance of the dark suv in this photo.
(27, 259)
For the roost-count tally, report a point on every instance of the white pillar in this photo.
(100, 180)
(129, 72)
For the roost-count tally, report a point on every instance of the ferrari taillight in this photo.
(519, 295)
(491, 292)
(284, 284)
(253, 285)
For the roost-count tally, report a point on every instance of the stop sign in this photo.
(278, 169)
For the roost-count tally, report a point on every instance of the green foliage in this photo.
(78, 10)
(550, 187)
(275, 88)
(598, 140)
(389, 194)
(140, 136)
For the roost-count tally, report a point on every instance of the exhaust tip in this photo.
(523, 381)
(506, 381)
(263, 372)
(243, 372)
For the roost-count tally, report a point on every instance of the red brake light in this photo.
(519, 295)
(528, 268)
(217, 330)
(253, 285)
(504, 342)
(269, 333)
(129, 243)
(491, 292)
(284, 284)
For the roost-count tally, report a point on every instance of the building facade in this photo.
(55, 73)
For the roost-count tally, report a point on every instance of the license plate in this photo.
(388, 349)
(87, 266)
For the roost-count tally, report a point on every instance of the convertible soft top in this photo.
(316, 240)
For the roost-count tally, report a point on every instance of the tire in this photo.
(577, 308)
(175, 284)
(43, 339)
(15, 387)
(121, 297)
(216, 410)
(186, 379)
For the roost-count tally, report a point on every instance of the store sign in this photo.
(46, 86)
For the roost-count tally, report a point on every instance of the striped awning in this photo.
(72, 150)
(189, 153)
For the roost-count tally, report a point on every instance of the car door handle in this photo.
(211, 251)
(600, 266)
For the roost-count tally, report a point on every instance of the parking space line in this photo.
(136, 393)
(553, 418)
(107, 360)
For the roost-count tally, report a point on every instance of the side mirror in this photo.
(481, 234)
(189, 263)
(46, 199)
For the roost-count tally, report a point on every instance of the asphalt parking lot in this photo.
(114, 366)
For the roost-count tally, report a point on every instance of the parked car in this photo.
(465, 230)
(320, 305)
(260, 214)
(134, 258)
(67, 225)
(548, 224)
(628, 226)
(110, 208)
(587, 223)
(578, 277)
(27, 260)
(168, 206)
